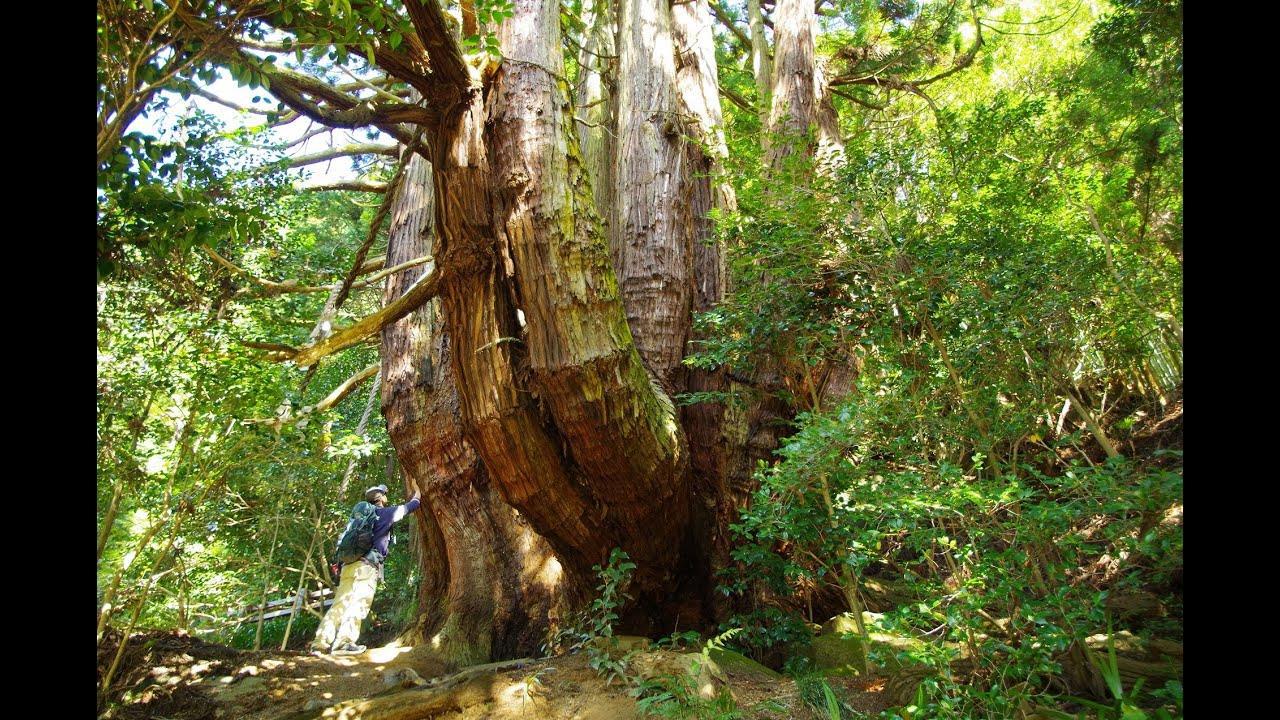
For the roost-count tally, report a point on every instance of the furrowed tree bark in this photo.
(835, 375)
(620, 429)
(830, 143)
(596, 100)
(489, 582)
(715, 429)
(509, 431)
(648, 239)
(761, 65)
(791, 109)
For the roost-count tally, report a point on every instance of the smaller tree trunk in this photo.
(596, 101)
(792, 102)
(761, 65)
(651, 250)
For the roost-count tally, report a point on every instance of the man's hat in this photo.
(368, 494)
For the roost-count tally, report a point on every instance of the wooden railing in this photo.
(316, 599)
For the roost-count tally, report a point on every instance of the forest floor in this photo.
(175, 676)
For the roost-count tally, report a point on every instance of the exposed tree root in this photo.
(451, 693)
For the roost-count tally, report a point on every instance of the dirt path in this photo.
(183, 678)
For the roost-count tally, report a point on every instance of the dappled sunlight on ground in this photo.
(395, 681)
(389, 652)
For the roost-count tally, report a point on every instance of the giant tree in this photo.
(549, 242)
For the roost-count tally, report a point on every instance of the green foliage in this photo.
(977, 266)
(592, 628)
(1171, 695)
(615, 577)
(766, 627)
(162, 196)
(904, 39)
(816, 693)
(489, 14)
(967, 546)
(211, 487)
(242, 636)
(677, 697)
(1123, 706)
(602, 655)
(678, 640)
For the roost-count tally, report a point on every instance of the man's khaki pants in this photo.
(341, 625)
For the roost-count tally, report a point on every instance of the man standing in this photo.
(359, 580)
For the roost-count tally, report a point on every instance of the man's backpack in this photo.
(357, 539)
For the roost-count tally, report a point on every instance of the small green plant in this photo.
(1122, 707)
(1172, 692)
(833, 706)
(607, 663)
(598, 618)
(592, 629)
(718, 642)
(816, 692)
(677, 696)
(602, 648)
(678, 640)
(615, 576)
(532, 684)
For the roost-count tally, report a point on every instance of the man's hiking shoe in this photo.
(349, 649)
(319, 649)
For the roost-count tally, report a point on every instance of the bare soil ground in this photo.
(169, 675)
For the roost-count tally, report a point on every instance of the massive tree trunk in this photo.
(623, 444)
(803, 113)
(564, 418)
(802, 118)
(792, 101)
(532, 402)
(501, 419)
(489, 582)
